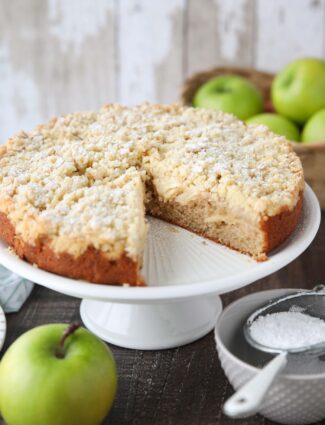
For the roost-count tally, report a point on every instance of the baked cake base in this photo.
(93, 266)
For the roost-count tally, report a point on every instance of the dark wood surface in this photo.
(183, 386)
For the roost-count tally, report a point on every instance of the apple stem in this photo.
(68, 331)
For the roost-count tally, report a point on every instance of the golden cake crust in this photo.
(277, 228)
(92, 265)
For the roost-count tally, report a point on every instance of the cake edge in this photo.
(279, 227)
(92, 266)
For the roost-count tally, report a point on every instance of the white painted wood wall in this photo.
(58, 56)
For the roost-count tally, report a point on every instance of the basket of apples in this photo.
(291, 104)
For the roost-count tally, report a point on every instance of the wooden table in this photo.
(183, 386)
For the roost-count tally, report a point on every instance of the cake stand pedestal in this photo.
(152, 326)
(185, 275)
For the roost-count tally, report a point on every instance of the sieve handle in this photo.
(247, 400)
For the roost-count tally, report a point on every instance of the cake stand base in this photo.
(152, 326)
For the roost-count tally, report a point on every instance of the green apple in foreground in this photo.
(54, 375)
(230, 93)
(314, 130)
(278, 124)
(298, 91)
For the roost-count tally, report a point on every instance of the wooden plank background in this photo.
(58, 56)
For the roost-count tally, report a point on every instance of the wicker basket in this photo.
(311, 155)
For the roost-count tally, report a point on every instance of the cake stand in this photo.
(185, 274)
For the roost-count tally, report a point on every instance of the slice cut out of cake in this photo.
(74, 191)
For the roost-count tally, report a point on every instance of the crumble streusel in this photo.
(82, 182)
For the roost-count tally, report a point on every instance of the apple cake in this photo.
(74, 192)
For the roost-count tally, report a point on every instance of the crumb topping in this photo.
(78, 180)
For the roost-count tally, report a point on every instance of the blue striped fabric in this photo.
(14, 290)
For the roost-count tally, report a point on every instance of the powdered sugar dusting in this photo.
(288, 330)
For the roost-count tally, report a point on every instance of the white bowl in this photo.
(292, 399)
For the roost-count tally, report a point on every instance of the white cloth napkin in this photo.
(14, 290)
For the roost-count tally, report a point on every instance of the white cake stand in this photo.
(185, 274)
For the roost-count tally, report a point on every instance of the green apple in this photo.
(278, 124)
(314, 130)
(57, 375)
(298, 91)
(230, 93)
